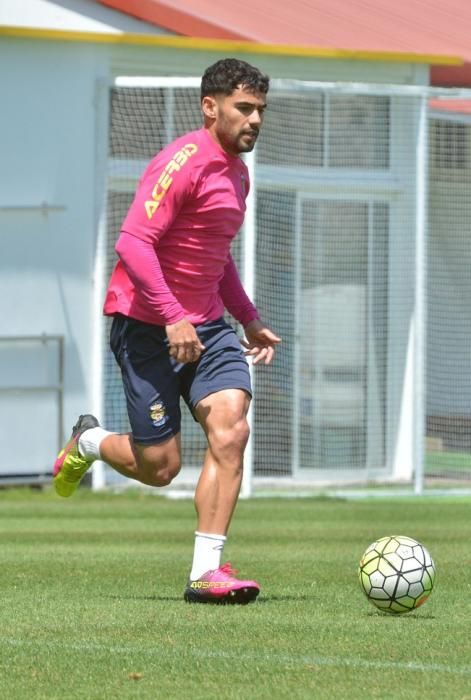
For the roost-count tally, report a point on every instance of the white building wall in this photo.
(51, 196)
(48, 209)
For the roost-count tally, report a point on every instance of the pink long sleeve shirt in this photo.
(174, 247)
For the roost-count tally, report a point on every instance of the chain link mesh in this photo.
(335, 212)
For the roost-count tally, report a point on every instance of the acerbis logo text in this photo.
(165, 179)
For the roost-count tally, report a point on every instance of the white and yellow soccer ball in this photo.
(397, 574)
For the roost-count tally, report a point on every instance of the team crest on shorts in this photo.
(157, 414)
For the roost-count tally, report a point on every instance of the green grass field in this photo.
(92, 604)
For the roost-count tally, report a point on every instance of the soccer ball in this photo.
(396, 574)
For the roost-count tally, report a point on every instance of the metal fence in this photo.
(356, 251)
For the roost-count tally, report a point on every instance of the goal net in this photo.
(356, 249)
(448, 360)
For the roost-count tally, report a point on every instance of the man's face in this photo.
(236, 119)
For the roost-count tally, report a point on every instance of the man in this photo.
(167, 294)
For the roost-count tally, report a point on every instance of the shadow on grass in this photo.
(285, 598)
(156, 598)
(276, 599)
(403, 616)
(179, 598)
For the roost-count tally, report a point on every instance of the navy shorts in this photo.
(154, 382)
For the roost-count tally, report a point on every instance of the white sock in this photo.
(207, 554)
(89, 442)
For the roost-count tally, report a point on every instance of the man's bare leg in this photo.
(223, 416)
(155, 465)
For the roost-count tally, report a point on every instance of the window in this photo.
(449, 145)
(326, 131)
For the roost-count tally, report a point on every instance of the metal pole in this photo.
(169, 114)
(296, 401)
(248, 278)
(101, 147)
(60, 417)
(420, 294)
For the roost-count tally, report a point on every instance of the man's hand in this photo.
(260, 343)
(184, 344)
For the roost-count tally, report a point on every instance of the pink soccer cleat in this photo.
(221, 587)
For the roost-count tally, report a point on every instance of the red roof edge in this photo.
(177, 21)
(451, 76)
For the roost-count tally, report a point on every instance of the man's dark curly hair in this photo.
(224, 76)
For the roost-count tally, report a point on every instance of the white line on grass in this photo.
(339, 661)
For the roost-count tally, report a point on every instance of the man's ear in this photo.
(209, 107)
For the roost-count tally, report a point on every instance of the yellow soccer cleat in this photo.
(70, 467)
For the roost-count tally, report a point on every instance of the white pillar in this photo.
(420, 311)
(248, 280)
(99, 282)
